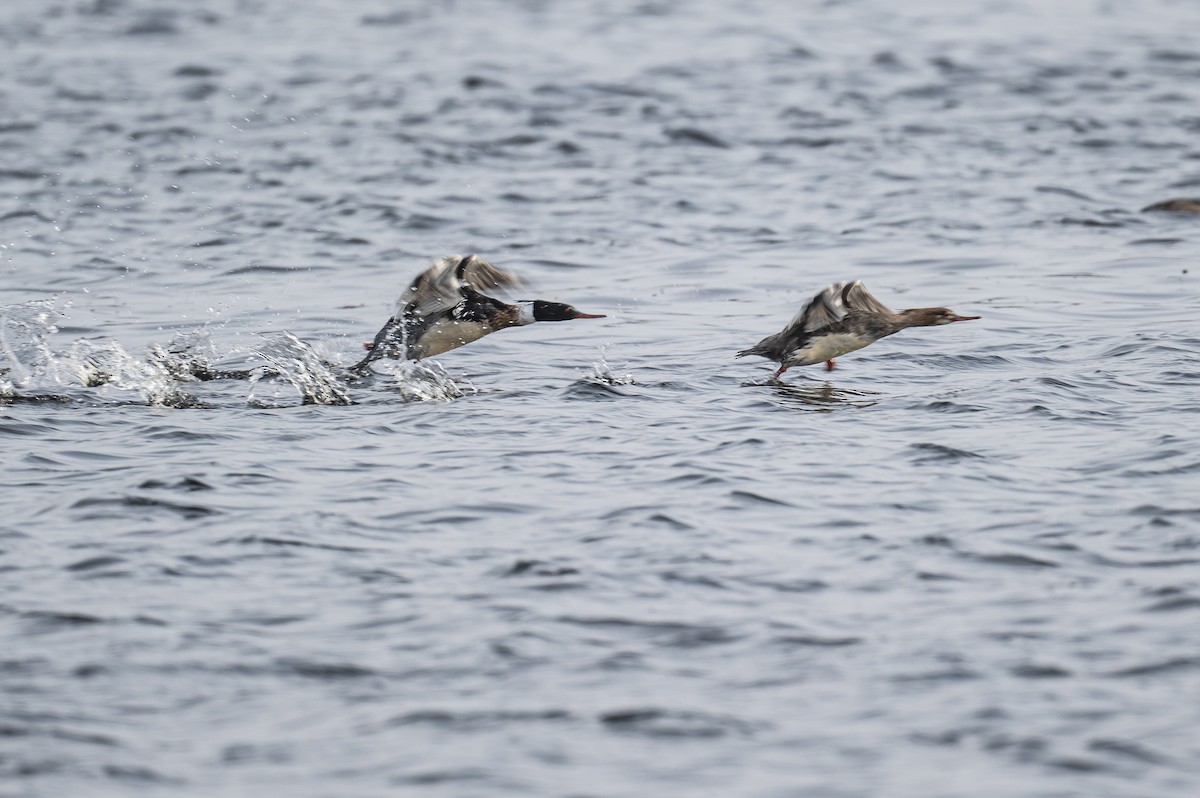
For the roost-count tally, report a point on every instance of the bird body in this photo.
(840, 319)
(447, 334)
(823, 348)
(444, 308)
(1178, 205)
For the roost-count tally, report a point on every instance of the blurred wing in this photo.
(826, 308)
(438, 288)
(855, 296)
(481, 275)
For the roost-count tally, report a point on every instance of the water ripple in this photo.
(606, 553)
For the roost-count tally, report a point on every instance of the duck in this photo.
(840, 319)
(1177, 205)
(444, 308)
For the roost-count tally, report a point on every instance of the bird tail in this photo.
(757, 349)
(360, 368)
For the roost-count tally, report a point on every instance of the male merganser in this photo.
(443, 309)
(840, 319)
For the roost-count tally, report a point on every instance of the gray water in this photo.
(599, 558)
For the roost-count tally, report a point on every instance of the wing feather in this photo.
(855, 296)
(437, 289)
(826, 308)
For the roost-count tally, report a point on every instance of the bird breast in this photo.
(447, 334)
(825, 347)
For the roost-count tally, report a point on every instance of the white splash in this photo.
(428, 381)
(301, 365)
(187, 357)
(34, 368)
(24, 328)
(106, 365)
(603, 373)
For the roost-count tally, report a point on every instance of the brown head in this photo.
(932, 317)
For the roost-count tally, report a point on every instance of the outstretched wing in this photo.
(438, 288)
(832, 304)
(855, 296)
(826, 308)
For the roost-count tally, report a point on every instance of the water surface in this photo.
(599, 558)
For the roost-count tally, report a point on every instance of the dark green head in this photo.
(557, 311)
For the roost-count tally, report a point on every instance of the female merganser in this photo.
(840, 319)
(1179, 205)
(443, 309)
